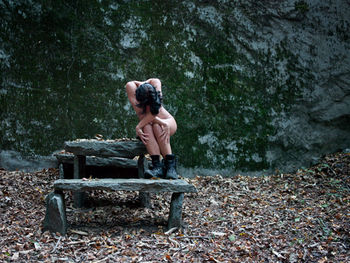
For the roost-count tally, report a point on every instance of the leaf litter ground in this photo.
(300, 217)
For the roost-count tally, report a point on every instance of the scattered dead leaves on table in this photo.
(301, 217)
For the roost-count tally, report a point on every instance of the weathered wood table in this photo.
(55, 218)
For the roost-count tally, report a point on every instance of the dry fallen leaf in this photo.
(300, 217)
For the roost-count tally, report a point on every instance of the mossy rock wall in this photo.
(254, 85)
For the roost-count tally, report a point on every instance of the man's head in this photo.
(147, 95)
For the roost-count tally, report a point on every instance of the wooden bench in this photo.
(55, 218)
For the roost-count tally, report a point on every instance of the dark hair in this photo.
(146, 94)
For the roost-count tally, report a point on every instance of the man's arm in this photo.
(155, 83)
(130, 88)
(138, 83)
(165, 135)
(145, 120)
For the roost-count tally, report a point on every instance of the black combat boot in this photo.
(170, 167)
(157, 168)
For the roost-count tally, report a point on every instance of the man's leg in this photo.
(154, 151)
(164, 147)
(152, 144)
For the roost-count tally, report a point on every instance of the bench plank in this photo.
(126, 149)
(144, 185)
(98, 161)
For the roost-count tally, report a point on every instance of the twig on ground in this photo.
(57, 243)
(101, 260)
(177, 244)
(192, 237)
(171, 230)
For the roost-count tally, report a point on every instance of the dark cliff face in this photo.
(253, 85)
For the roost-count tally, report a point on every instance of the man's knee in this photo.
(157, 130)
(148, 128)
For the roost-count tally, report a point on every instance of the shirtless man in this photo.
(155, 127)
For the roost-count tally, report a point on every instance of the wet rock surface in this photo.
(253, 85)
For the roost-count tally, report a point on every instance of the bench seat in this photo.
(56, 219)
(144, 185)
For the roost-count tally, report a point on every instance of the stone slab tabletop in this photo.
(143, 185)
(106, 148)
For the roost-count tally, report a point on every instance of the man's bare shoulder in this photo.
(130, 91)
(130, 87)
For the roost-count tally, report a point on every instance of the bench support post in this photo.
(61, 171)
(55, 218)
(141, 166)
(79, 172)
(175, 213)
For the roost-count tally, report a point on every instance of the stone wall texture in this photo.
(254, 85)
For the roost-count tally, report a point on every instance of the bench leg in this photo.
(175, 213)
(61, 170)
(79, 172)
(145, 198)
(55, 218)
